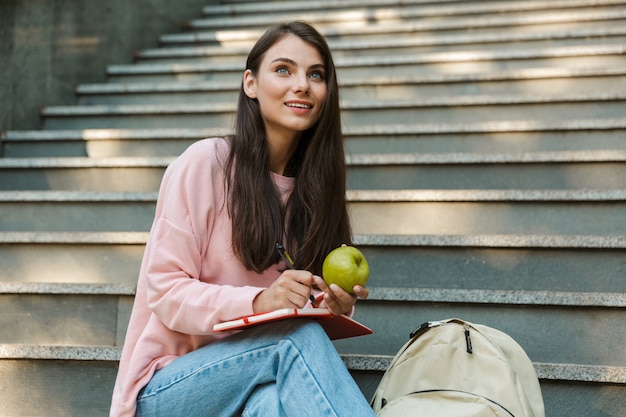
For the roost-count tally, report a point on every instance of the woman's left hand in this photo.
(337, 300)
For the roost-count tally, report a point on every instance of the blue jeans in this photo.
(286, 368)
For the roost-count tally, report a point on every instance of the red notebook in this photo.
(336, 327)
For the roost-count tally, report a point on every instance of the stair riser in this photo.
(576, 335)
(496, 142)
(488, 142)
(530, 269)
(489, 218)
(222, 96)
(603, 176)
(361, 117)
(56, 388)
(497, 268)
(574, 85)
(96, 320)
(82, 179)
(77, 216)
(97, 148)
(216, 58)
(84, 388)
(71, 263)
(431, 218)
(425, 68)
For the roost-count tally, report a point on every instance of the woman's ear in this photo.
(249, 84)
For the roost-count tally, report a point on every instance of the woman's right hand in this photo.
(291, 290)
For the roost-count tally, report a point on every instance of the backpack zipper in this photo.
(429, 324)
(462, 392)
(468, 341)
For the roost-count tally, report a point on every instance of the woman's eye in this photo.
(282, 70)
(318, 76)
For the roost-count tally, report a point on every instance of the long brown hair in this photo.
(315, 216)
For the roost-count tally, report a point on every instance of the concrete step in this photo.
(572, 322)
(398, 46)
(102, 143)
(52, 381)
(466, 62)
(356, 16)
(379, 8)
(65, 314)
(430, 212)
(72, 257)
(567, 170)
(74, 314)
(545, 22)
(75, 211)
(83, 379)
(389, 87)
(426, 138)
(489, 262)
(458, 109)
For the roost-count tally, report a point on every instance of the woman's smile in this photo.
(300, 107)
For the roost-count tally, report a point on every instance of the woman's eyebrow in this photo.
(294, 63)
(287, 60)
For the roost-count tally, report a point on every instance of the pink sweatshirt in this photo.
(190, 278)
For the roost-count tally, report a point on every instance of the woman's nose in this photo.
(301, 84)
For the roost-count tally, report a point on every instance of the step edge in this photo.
(354, 362)
(499, 297)
(391, 159)
(66, 288)
(474, 241)
(74, 238)
(544, 370)
(495, 241)
(483, 196)
(376, 196)
(377, 294)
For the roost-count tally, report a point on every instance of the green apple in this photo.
(345, 266)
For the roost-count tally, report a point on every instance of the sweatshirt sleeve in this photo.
(186, 209)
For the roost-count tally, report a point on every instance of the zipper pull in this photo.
(426, 325)
(468, 341)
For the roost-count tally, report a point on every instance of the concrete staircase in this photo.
(487, 180)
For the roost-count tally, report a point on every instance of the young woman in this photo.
(223, 206)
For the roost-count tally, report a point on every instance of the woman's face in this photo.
(290, 86)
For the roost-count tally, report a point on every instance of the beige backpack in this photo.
(453, 368)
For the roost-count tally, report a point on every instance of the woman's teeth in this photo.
(300, 106)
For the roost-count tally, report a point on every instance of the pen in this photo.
(285, 255)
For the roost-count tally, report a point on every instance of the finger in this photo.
(320, 283)
(342, 295)
(338, 300)
(361, 292)
(301, 277)
(298, 300)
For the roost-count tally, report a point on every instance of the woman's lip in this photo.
(299, 104)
